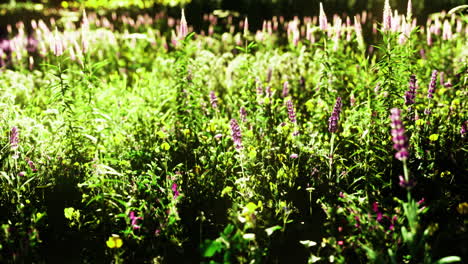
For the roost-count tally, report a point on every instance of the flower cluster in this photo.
(291, 112)
(213, 100)
(285, 89)
(243, 114)
(464, 128)
(333, 120)
(432, 85)
(411, 94)
(14, 139)
(236, 134)
(400, 142)
(134, 220)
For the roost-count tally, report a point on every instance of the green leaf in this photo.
(212, 249)
(272, 229)
(450, 259)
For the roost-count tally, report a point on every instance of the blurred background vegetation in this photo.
(11, 11)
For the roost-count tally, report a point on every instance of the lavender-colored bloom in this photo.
(213, 100)
(387, 16)
(174, 189)
(322, 19)
(335, 116)
(134, 219)
(464, 128)
(243, 114)
(31, 165)
(406, 184)
(269, 74)
(398, 135)
(259, 87)
(411, 94)
(294, 156)
(291, 112)
(432, 85)
(268, 91)
(183, 28)
(236, 134)
(285, 89)
(14, 138)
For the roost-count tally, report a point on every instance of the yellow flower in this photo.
(462, 208)
(434, 137)
(114, 241)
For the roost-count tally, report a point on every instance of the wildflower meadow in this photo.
(139, 138)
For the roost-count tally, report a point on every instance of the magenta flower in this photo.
(322, 19)
(411, 94)
(243, 114)
(464, 128)
(398, 135)
(291, 112)
(294, 156)
(236, 134)
(174, 189)
(14, 138)
(407, 184)
(213, 100)
(335, 116)
(387, 16)
(183, 28)
(134, 220)
(432, 85)
(285, 89)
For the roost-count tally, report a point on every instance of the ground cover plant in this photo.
(325, 139)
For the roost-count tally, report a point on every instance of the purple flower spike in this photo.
(335, 116)
(174, 189)
(400, 142)
(464, 128)
(432, 85)
(285, 89)
(411, 94)
(134, 219)
(236, 134)
(406, 184)
(243, 114)
(14, 138)
(291, 112)
(213, 100)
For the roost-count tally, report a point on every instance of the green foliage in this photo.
(138, 143)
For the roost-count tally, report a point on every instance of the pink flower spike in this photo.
(183, 29)
(134, 219)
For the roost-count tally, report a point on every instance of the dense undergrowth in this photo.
(132, 140)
